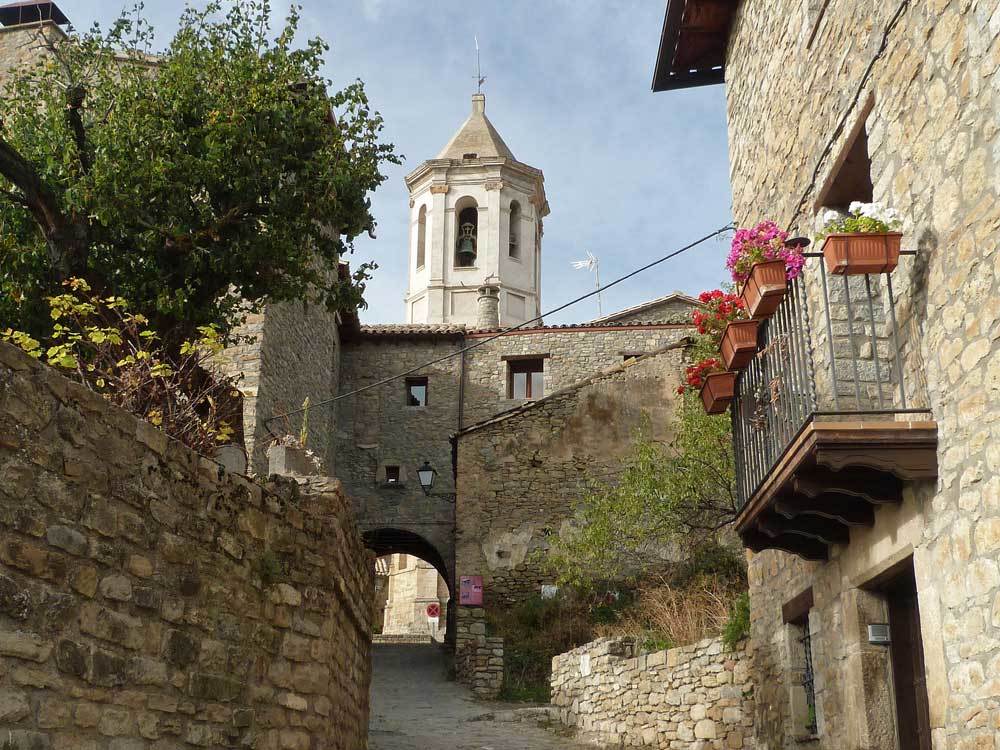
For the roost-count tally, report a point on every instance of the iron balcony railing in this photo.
(832, 350)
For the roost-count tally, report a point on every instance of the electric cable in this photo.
(849, 110)
(504, 332)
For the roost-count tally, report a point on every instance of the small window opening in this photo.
(851, 178)
(808, 676)
(392, 475)
(416, 391)
(515, 230)
(801, 677)
(422, 237)
(470, 156)
(527, 379)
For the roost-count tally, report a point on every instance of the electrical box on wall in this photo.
(879, 633)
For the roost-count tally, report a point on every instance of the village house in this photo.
(867, 429)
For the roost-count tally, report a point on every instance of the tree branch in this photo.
(75, 96)
(64, 238)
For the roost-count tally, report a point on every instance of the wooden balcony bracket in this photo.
(832, 478)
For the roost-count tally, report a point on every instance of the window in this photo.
(799, 664)
(392, 475)
(851, 176)
(515, 230)
(467, 232)
(808, 676)
(422, 237)
(527, 378)
(416, 391)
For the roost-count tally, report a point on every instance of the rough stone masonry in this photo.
(698, 696)
(150, 600)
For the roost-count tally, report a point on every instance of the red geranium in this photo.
(694, 376)
(718, 309)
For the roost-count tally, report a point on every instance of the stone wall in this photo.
(20, 46)
(521, 475)
(922, 79)
(478, 657)
(149, 599)
(697, 696)
(676, 308)
(569, 355)
(289, 352)
(376, 429)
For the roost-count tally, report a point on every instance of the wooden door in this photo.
(907, 651)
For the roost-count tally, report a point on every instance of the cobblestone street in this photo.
(415, 707)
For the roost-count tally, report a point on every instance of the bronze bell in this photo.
(466, 247)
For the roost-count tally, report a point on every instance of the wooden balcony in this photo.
(832, 478)
(825, 430)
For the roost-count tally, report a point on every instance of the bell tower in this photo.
(475, 219)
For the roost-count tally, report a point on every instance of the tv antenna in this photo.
(480, 78)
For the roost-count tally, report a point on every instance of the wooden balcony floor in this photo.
(832, 477)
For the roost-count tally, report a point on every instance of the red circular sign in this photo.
(434, 610)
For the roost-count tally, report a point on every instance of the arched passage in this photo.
(392, 541)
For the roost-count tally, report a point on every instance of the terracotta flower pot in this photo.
(855, 254)
(718, 391)
(764, 289)
(739, 343)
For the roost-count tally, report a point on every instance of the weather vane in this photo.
(480, 78)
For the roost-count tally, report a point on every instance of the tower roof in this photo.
(476, 136)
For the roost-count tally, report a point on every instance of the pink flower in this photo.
(766, 241)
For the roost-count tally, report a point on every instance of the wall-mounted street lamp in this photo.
(426, 474)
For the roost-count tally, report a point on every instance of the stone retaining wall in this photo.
(150, 600)
(478, 657)
(698, 696)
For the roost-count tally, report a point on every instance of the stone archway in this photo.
(388, 540)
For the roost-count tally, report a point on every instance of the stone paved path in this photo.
(415, 707)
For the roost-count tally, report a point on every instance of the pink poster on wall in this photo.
(470, 591)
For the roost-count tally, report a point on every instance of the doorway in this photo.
(907, 655)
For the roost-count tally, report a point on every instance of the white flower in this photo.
(856, 207)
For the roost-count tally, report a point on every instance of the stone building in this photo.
(465, 366)
(871, 478)
(413, 586)
(474, 266)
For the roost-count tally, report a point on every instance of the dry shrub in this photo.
(98, 342)
(664, 616)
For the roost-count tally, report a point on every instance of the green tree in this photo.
(666, 494)
(216, 175)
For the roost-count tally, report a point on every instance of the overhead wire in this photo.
(502, 333)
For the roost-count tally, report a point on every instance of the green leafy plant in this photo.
(198, 183)
(862, 218)
(534, 631)
(100, 343)
(269, 568)
(666, 493)
(738, 625)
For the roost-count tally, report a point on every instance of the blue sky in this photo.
(630, 175)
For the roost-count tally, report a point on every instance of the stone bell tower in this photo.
(475, 219)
